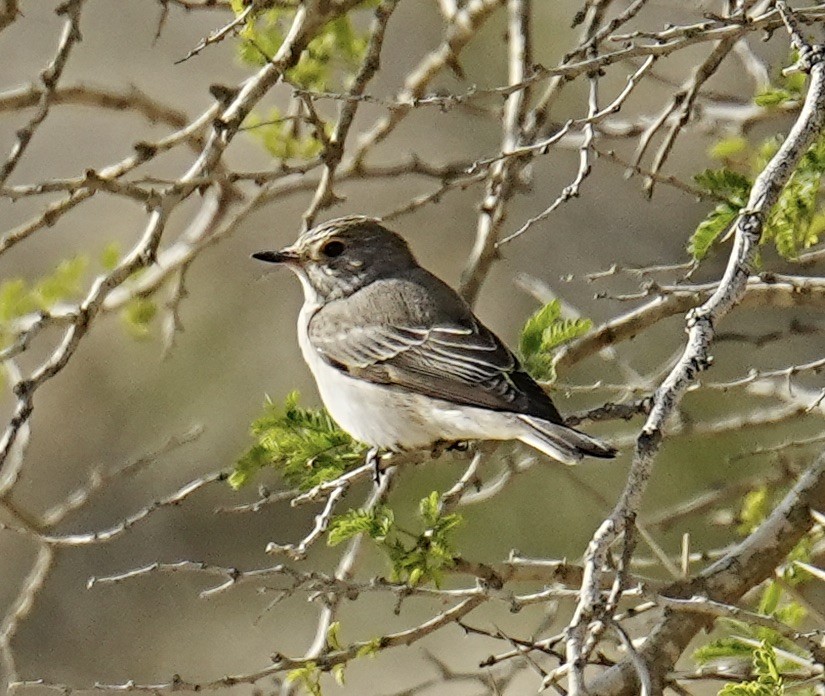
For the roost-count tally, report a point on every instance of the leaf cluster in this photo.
(336, 47)
(66, 282)
(544, 332)
(138, 315)
(308, 677)
(738, 643)
(416, 558)
(18, 298)
(768, 681)
(303, 444)
(282, 138)
(326, 65)
(790, 89)
(796, 222)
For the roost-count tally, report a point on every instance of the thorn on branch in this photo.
(223, 94)
(145, 151)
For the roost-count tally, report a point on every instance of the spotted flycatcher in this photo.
(400, 359)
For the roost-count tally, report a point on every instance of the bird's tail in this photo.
(562, 443)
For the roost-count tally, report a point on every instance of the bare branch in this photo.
(701, 325)
(50, 76)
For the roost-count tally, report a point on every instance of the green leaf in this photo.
(428, 509)
(769, 680)
(755, 508)
(791, 613)
(749, 689)
(63, 283)
(137, 316)
(802, 552)
(723, 648)
(415, 576)
(110, 256)
(710, 229)
(794, 223)
(728, 147)
(338, 673)
(375, 523)
(304, 445)
(15, 300)
(371, 648)
(726, 183)
(770, 598)
(533, 330)
(280, 137)
(337, 48)
(18, 299)
(795, 83)
(768, 148)
(563, 331)
(432, 550)
(772, 97)
(334, 635)
(545, 331)
(791, 217)
(419, 558)
(308, 676)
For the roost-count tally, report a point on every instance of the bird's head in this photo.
(339, 257)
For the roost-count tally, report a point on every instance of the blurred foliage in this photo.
(755, 508)
(304, 445)
(308, 676)
(796, 221)
(282, 138)
(740, 637)
(543, 332)
(768, 682)
(790, 89)
(18, 298)
(66, 283)
(110, 256)
(415, 558)
(334, 643)
(137, 317)
(336, 49)
(328, 64)
(721, 182)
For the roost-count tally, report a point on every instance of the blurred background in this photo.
(121, 397)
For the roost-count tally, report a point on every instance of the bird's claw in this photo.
(458, 446)
(373, 459)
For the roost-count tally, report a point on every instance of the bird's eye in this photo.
(333, 248)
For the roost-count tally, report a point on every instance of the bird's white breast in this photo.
(371, 413)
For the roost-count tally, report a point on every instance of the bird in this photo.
(400, 359)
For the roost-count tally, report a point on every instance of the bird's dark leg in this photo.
(439, 447)
(373, 458)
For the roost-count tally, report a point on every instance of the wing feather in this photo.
(431, 345)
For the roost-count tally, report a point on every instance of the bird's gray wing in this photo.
(427, 340)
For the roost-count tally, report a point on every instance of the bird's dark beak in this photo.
(285, 255)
